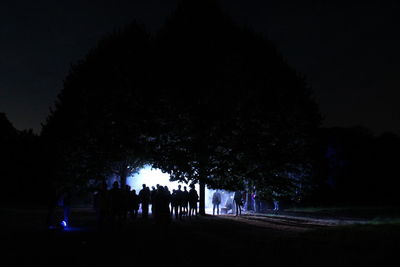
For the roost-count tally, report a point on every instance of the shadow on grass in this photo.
(204, 241)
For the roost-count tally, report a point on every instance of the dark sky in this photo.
(349, 50)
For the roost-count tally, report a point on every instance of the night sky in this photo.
(349, 50)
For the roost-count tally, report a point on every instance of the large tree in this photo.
(205, 100)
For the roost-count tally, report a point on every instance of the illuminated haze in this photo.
(152, 177)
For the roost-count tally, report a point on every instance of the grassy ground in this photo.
(273, 240)
(362, 213)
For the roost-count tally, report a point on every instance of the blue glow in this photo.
(75, 229)
(64, 224)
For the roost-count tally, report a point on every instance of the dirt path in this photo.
(284, 222)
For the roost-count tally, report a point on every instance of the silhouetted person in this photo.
(216, 200)
(185, 201)
(174, 203)
(125, 202)
(168, 194)
(179, 200)
(238, 202)
(257, 203)
(155, 196)
(101, 204)
(161, 208)
(275, 199)
(153, 193)
(144, 197)
(156, 206)
(134, 199)
(115, 195)
(162, 216)
(193, 199)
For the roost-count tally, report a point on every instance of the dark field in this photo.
(293, 238)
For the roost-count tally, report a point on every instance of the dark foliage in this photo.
(20, 164)
(93, 128)
(204, 100)
(243, 113)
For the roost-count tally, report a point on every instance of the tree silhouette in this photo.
(8, 154)
(205, 100)
(20, 164)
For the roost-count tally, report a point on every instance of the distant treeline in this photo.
(354, 166)
(22, 165)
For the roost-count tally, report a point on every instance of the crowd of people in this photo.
(115, 205)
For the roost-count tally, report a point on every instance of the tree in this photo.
(205, 100)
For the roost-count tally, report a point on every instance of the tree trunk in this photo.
(123, 180)
(202, 206)
(123, 174)
(202, 184)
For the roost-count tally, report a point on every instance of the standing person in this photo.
(161, 208)
(156, 201)
(153, 193)
(168, 196)
(115, 195)
(216, 200)
(135, 204)
(185, 201)
(257, 204)
(144, 197)
(126, 204)
(162, 215)
(238, 202)
(101, 204)
(174, 203)
(179, 200)
(275, 199)
(253, 201)
(193, 199)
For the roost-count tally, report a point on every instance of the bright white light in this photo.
(152, 177)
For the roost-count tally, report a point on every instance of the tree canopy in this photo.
(203, 99)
